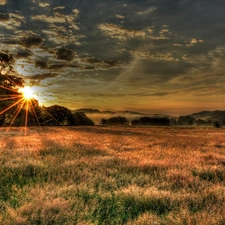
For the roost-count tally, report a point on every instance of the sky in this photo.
(152, 56)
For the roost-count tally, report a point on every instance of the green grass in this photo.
(110, 176)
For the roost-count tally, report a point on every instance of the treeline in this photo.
(143, 121)
(191, 121)
(161, 121)
(45, 116)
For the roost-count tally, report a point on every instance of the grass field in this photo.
(118, 175)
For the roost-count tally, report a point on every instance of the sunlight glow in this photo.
(21, 100)
(27, 93)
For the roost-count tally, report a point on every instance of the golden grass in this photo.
(112, 175)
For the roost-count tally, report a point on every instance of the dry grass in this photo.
(117, 175)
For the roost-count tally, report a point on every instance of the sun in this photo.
(27, 93)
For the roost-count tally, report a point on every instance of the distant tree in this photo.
(149, 121)
(80, 119)
(201, 122)
(9, 86)
(135, 122)
(103, 122)
(115, 121)
(209, 122)
(223, 122)
(56, 115)
(216, 124)
(186, 120)
(173, 122)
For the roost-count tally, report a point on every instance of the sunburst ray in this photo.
(9, 107)
(16, 114)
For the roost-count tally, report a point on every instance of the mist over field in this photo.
(96, 117)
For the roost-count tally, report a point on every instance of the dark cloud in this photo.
(91, 60)
(41, 64)
(97, 63)
(57, 66)
(42, 76)
(32, 40)
(65, 54)
(112, 63)
(4, 17)
(23, 54)
(76, 66)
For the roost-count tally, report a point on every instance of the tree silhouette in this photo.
(216, 124)
(79, 118)
(119, 120)
(149, 121)
(9, 86)
(56, 115)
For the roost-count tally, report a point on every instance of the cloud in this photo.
(61, 27)
(194, 41)
(31, 40)
(147, 11)
(56, 18)
(121, 33)
(120, 16)
(4, 17)
(59, 7)
(57, 66)
(155, 56)
(41, 76)
(93, 63)
(59, 18)
(85, 64)
(43, 5)
(2, 2)
(76, 11)
(65, 54)
(118, 32)
(41, 64)
(23, 54)
(11, 21)
(60, 35)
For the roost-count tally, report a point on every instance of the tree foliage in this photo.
(115, 121)
(8, 79)
(9, 85)
(149, 121)
(186, 120)
(56, 115)
(79, 118)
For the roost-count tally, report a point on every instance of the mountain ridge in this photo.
(213, 115)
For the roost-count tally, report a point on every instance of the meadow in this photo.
(112, 175)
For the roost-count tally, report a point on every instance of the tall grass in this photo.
(100, 175)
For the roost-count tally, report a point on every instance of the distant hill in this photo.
(132, 112)
(212, 115)
(90, 110)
